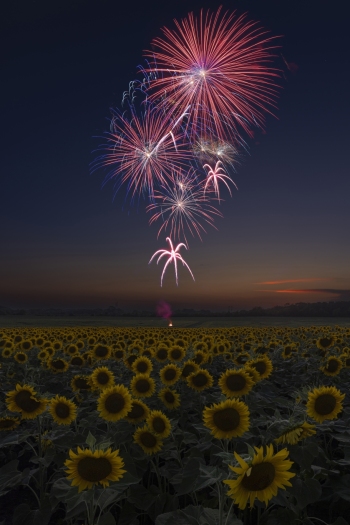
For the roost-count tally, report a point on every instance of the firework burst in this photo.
(215, 175)
(182, 205)
(143, 152)
(173, 256)
(218, 65)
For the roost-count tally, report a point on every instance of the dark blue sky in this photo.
(64, 241)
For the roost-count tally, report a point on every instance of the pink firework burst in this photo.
(173, 256)
(144, 151)
(215, 175)
(182, 205)
(219, 66)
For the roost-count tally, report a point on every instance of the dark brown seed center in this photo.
(261, 477)
(162, 354)
(142, 386)
(325, 404)
(170, 374)
(148, 440)
(114, 403)
(136, 411)
(169, 397)
(158, 425)
(142, 367)
(187, 370)
(235, 382)
(199, 380)
(260, 366)
(176, 354)
(102, 378)
(26, 402)
(332, 366)
(226, 419)
(62, 410)
(94, 469)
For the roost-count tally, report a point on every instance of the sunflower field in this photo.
(175, 426)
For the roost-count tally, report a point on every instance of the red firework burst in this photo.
(144, 152)
(217, 65)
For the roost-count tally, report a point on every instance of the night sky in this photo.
(64, 241)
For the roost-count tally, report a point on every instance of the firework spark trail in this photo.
(174, 256)
(182, 205)
(144, 152)
(217, 65)
(215, 175)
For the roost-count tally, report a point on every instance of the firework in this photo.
(182, 205)
(215, 175)
(173, 256)
(219, 66)
(143, 151)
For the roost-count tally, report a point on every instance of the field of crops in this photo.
(175, 426)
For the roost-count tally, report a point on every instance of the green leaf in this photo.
(107, 519)
(285, 516)
(90, 440)
(305, 492)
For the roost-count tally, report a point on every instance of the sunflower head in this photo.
(324, 402)
(170, 398)
(148, 441)
(170, 374)
(114, 403)
(158, 423)
(142, 365)
(235, 383)
(261, 477)
(62, 410)
(102, 378)
(139, 411)
(87, 468)
(333, 366)
(142, 385)
(8, 423)
(21, 357)
(200, 380)
(23, 399)
(227, 419)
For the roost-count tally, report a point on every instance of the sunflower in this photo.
(8, 423)
(176, 353)
(101, 351)
(142, 365)
(188, 368)
(21, 357)
(241, 358)
(200, 357)
(148, 441)
(7, 352)
(170, 374)
(331, 368)
(261, 477)
(158, 423)
(43, 354)
(138, 412)
(102, 378)
(80, 382)
(292, 435)
(227, 419)
(142, 385)
(324, 403)
(87, 468)
(58, 365)
(62, 410)
(235, 383)
(129, 360)
(170, 398)
(161, 354)
(23, 400)
(262, 365)
(325, 342)
(114, 403)
(200, 380)
(119, 354)
(26, 345)
(77, 360)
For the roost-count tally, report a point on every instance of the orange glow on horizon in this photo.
(294, 281)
